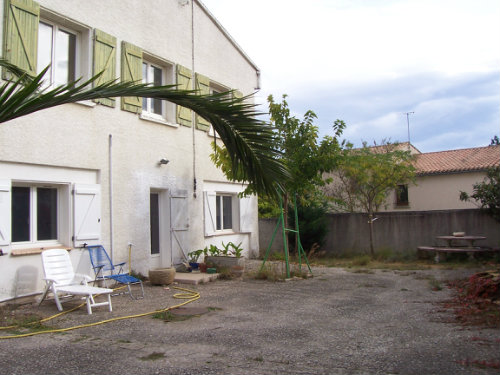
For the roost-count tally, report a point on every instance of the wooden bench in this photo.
(437, 250)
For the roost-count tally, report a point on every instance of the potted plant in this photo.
(203, 265)
(193, 258)
(228, 256)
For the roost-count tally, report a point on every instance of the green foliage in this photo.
(365, 176)
(303, 154)
(231, 249)
(268, 209)
(313, 225)
(195, 255)
(487, 193)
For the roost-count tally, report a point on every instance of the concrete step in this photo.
(195, 278)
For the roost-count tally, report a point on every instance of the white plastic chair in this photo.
(60, 278)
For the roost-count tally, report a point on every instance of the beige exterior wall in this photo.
(437, 192)
(77, 143)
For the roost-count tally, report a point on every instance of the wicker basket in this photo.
(162, 276)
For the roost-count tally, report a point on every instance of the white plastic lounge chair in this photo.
(60, 278)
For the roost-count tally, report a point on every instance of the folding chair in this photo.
(61, 278)
(104, 269)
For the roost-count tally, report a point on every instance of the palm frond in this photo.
(16, 72)
(248, 140)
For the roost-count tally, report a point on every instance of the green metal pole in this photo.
(300, 248)
(285, 242)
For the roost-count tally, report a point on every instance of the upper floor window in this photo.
(57, 47)
(154, 75)
(402, 195)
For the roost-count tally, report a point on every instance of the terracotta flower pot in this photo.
(203, 267)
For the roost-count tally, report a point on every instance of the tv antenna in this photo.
(408, 122)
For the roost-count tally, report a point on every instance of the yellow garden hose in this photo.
(188, 294)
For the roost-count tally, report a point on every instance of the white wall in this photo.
(437, 192)
(74, 139)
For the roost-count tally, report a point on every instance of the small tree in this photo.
(365, 176)
(487, 193)
(305, 156)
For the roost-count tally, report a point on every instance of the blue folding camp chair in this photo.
(105, 270)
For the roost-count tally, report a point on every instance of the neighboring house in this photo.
(441, 176)
(121, 171)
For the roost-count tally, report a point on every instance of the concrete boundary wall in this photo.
(398, 231)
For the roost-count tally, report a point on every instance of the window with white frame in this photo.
(34, 214)
(58, 49)
(154, 75)
(224, 212)
(157, 74)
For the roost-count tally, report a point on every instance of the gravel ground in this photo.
(339, 322)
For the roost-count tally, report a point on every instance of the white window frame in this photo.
(33, 241)
(243, 208)
(214, 89)
(83, 42)
(219, 197)
(167, 117)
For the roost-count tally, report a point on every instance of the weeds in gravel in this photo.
(153, 356)
(169, 316)
(276, 271)
(435, 284)
(19, 321)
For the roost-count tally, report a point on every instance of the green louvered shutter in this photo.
(105, 61)
(21, 34)
(183, 83)
(131, 71)
(203, 88)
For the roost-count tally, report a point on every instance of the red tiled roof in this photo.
(453, 161)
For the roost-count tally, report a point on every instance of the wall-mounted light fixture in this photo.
(163, 161)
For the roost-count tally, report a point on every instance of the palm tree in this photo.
(248, 140)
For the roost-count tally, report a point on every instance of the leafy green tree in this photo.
(248, 140)
(365, 176)
(304, 155)
(487, 193)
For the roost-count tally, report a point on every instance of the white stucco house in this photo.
(117, 172)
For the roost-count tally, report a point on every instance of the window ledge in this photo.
(226, 233)
(402, 206)
(34, 250)
(87, 103)
(148, 117)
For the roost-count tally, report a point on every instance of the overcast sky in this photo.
(368, 62)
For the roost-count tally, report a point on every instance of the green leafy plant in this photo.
(214, 250)
(235, 250)
(486, 193)
(195, 255)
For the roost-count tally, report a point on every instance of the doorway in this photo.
(159, 220)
